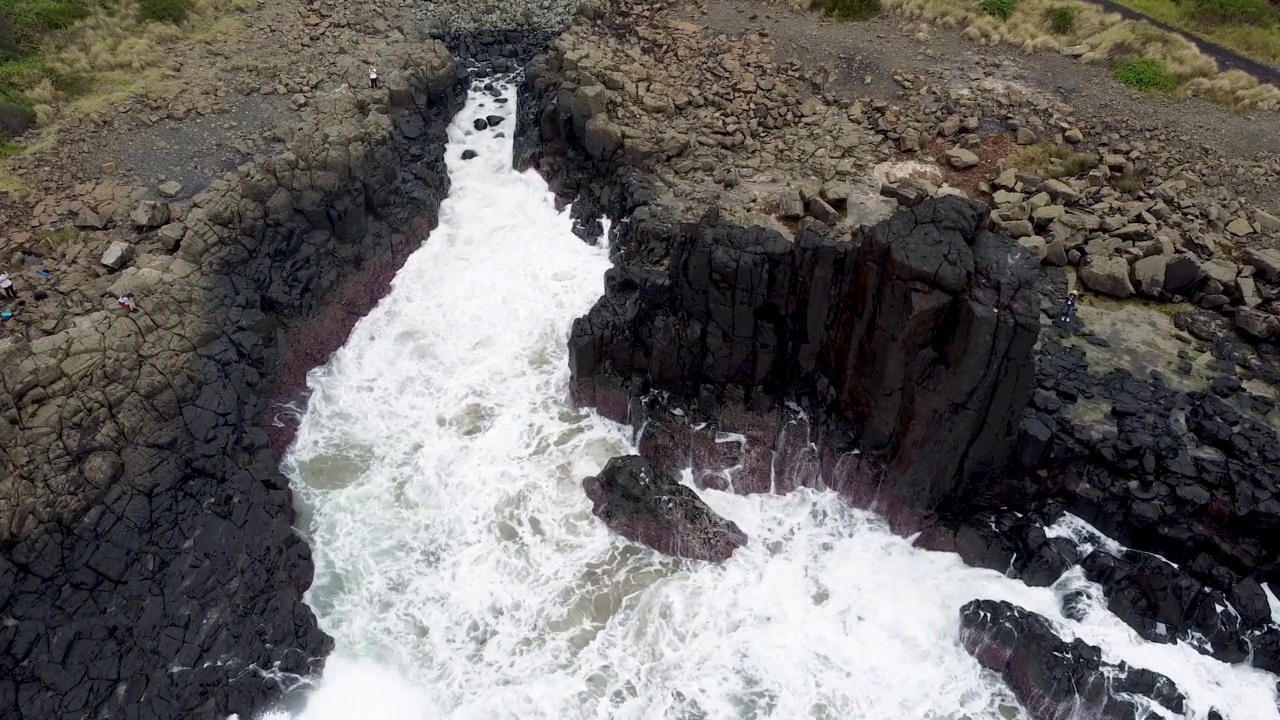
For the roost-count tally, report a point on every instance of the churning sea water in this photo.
(462, 575)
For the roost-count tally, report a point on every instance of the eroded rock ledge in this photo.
(148, 564)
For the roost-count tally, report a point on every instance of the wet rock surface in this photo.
(642, 503)
(918, 330)
(149, 566)
(1055, 679)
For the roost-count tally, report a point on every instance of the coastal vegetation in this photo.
(88, 52)
(1138, 53)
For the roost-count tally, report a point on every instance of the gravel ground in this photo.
(879, 48)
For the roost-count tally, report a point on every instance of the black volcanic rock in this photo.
(920, 330)
(1052, 678)
(643, 504)
(1166, 604)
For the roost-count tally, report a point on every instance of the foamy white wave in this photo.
(463, 576)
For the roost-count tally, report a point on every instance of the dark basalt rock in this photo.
(1192, 476)
(1055, 679)
(1013, 543)
(641, 503)
(919, 331)
(148, 567)
(1165, 604)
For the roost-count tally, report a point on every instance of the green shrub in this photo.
(31, 21)
(1233, 12)
(16, 115)
(849, 9)
(1146, 73)
(996, 8)
(1062, 19)
(174, 11)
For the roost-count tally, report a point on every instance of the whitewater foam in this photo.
(462, 575)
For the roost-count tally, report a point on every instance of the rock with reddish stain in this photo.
(643, 504)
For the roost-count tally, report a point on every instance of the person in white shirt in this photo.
(373, 77)
(6, 286)
(127, 303)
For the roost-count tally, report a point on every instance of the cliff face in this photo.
(918, 330)
(148, 565)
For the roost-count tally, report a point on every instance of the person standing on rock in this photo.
(373, 78)
(6, 286)
(1069, 308)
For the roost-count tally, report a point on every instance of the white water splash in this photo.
(461, 572)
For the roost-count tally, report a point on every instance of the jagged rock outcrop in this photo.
(148, 565)
(919, 330)
(1054, 679)
(644, 504)
(1190, 475)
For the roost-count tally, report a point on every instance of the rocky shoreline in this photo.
(150, 567)
(709, 342)
(147, 559)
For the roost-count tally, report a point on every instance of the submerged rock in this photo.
(645, 505)
(1055, 679)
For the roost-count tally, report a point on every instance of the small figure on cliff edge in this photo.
(6, 286)
(1069, 308)
(373, 78)
(127, 303)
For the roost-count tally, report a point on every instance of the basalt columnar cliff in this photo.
(149, 565)
(910, 341)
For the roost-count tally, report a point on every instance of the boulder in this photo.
(118, 255)
(1183, 274)
(643, 504)
(1035, 245)
(171, 235)
(1256, 323)
(1224, 271)
(1266, 261)
(1055, 679)
(1265, 220)
(150, 214)
(90, 220)
(1250, 602)
(1240, 227)
(790, 206)
(1148, 273)
(1107, 275)
(819, 210)
(962, 159)
(169, 189)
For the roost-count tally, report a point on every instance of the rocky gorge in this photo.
(889, 340)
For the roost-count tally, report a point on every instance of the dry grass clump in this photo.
(1101, 37)
(1054, 160)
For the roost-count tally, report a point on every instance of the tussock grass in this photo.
(100, 53)
(1110, 40)
(1053, 160)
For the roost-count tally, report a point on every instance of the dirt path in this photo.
(877, 49)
